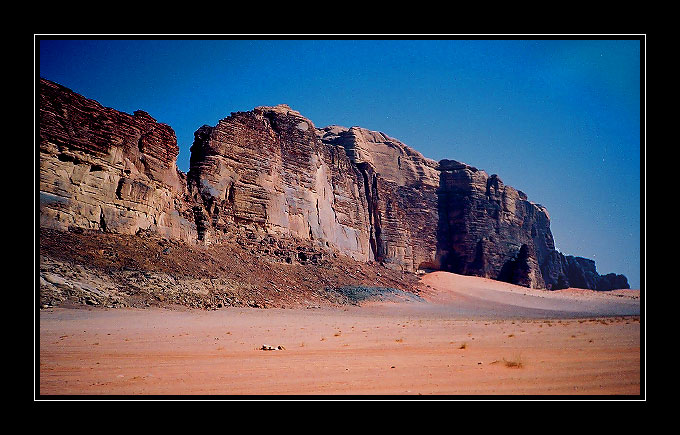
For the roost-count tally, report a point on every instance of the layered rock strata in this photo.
(488, 229)
(400, 189)
(270, 173)
(107, 170)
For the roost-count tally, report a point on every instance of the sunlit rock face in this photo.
(400, 187)
(267, 170)
(270, 174)
(108, 170)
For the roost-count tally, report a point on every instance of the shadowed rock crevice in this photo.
(371, 192)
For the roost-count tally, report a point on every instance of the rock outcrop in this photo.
(400, 189)
(271, 174)
(562, 271)
(267, 170)
(107, 170)
(489, 229)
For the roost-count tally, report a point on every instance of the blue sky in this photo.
(557, 119)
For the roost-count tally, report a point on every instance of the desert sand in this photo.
(467, 337)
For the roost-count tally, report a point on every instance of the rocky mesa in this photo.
(271, 174)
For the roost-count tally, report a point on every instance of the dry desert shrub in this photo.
(515, 363)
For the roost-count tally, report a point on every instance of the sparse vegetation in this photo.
(514, 363)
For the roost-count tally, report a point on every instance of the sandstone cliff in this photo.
(400, 190)
(489, 229)
(266, 170)
(104, 169)
(270, 174)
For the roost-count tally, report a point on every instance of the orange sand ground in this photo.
(471, 336)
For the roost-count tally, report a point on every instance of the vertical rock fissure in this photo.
(102, 220)
(318, 214)
(374, 225)
(201, 222)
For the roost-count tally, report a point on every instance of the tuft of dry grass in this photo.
(515, 363)
(463, 346)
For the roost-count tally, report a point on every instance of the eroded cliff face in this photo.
(400, 189)
(268, 171)
(359, 192)
(107, 170)
(271, 174)
(489, 229)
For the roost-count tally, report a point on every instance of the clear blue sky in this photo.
(557, 119)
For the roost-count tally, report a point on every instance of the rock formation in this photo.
(400, 192)
(268, 171)
(104, 169)
(562, 271)
(489, 229)
(271, 174)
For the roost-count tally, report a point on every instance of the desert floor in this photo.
(470, 336)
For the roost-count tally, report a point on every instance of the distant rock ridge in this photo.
(270, 172)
